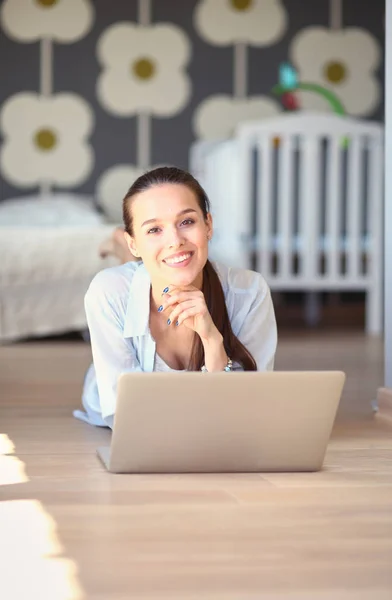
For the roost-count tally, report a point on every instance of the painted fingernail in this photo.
(169, 321)
(160, 309)
(165, 290)
(177, 323)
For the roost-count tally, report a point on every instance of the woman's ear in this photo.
(131, 245)
(210, 227)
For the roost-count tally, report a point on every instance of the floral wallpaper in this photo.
(93, 93)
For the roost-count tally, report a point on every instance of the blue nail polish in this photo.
(165, 290)
(168, 321)
(177, 323)
(160, 309)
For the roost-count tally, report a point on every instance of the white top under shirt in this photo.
(161, 367)
(117, 306)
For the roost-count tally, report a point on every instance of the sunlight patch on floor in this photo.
(6, 445)
(12, 470)
(30, 555)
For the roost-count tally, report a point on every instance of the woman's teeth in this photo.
(177, 259)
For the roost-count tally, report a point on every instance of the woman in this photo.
(171, 309)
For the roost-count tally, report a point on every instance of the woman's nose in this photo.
(175, 238)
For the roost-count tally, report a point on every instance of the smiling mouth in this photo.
(179, 259)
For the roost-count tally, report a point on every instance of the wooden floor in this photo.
(69, 530)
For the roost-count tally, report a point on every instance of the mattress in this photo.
(46, 268)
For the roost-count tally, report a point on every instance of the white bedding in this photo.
(46, 267)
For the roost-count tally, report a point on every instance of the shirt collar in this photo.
(137, 315)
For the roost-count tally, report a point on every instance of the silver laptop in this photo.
(195, 422)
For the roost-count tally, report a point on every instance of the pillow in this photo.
(54, 210)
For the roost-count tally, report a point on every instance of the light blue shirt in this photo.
(117, 306)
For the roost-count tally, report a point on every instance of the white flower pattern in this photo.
(111, 188)
(254, 22)
(344, 62)
(64, 21)
(218, 116)
(143, 69)
(45, 139)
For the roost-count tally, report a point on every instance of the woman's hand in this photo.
(187, 306)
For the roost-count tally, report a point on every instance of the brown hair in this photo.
(212, 288)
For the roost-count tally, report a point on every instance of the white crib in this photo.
(299, 198)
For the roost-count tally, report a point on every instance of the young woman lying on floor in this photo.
(168, 308)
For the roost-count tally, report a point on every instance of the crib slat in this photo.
(374, 199)
(353, 251)
(285, 205)
(309, 207)
(264, 203)
(242, 183)
(333, 205)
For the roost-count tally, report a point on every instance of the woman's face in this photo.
(170, 234)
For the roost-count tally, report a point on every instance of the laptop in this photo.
(195, 422)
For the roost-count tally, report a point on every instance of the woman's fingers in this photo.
(179, 296)
(187, 306)
(175, 315)
(170, 289)
(181, 303)
(187, 313)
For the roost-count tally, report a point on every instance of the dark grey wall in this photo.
(210, 69)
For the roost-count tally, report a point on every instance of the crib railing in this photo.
(299, 198)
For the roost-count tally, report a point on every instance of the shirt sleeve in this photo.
(112, 353)
(258, 332)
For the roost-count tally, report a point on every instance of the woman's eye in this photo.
(157, 229)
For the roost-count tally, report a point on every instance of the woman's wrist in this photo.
(215, 357)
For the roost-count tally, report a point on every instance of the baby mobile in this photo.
(289, 84)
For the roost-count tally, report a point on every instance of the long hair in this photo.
(211, 288)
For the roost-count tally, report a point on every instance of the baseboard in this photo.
(384, 402)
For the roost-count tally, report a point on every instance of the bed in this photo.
(49, 249)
